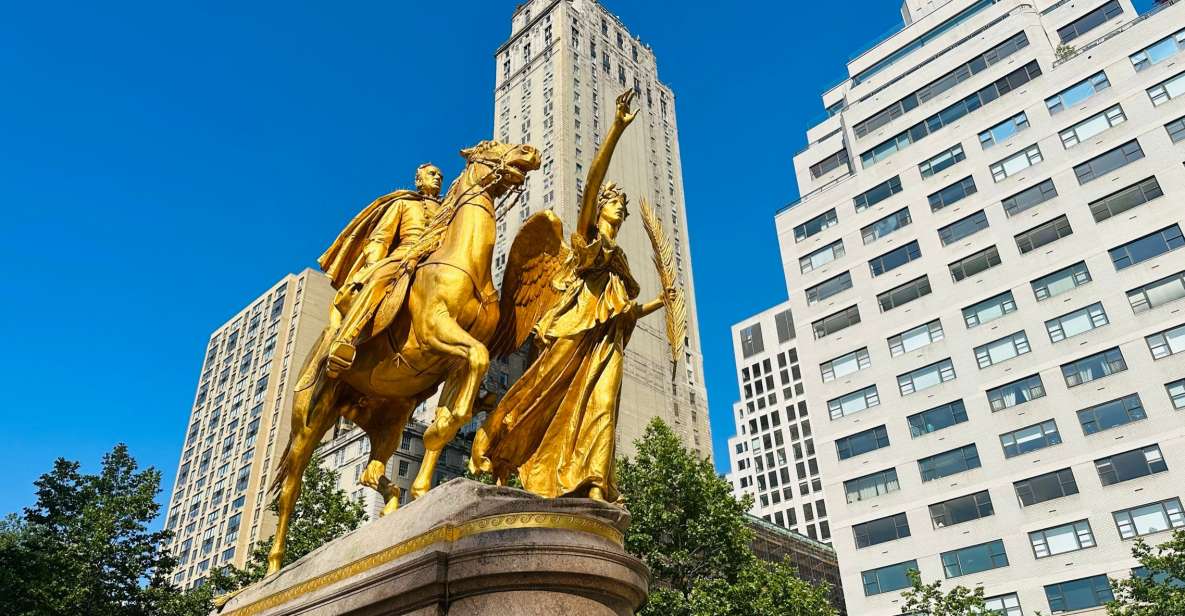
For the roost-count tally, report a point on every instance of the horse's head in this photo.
(504, 164)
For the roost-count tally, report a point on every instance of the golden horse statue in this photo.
(437, 334)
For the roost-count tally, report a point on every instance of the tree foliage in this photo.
(930, 599)
(690, 531)
(85, 547)
(1160, 591)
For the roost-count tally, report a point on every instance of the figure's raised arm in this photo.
(586, 225)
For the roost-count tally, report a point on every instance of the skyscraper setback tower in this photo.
(988, 246)
(557, 79)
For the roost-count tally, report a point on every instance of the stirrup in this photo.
(341, 357)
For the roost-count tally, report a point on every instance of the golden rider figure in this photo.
(368, 257)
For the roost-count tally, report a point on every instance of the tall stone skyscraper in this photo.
(558, 76)
(987, 278)
(239, 424)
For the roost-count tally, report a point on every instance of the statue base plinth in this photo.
(465, 549)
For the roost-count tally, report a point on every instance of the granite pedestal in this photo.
(464, 549)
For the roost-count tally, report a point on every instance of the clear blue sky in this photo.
(162, 163)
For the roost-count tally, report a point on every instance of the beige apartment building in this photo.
(239, 425)
(987, 289)
(558, 75)
(772, 457)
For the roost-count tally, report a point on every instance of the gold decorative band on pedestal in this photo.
(446, 533)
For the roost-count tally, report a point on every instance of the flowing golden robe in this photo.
(557, 423)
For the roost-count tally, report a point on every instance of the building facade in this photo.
(239, 423)
(814, 562)
(992, 316)
(558, 75)
(772, 456)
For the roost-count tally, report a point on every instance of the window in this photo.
(1148, 247)
(845, 364)
(751, 342)
(942, 84)
(1176, 391)
(1176, 129)
(815, 225)
(1016, 163)
(1029, 198)
(1111, 414)
(1002, 349)
(1094, 367)
(1092, 126)
(962, 509)
(404, 468)
(1002, 131)
(974, 264)
(1046, 487)
(877, 193)
(974, 559)
(886, 529)
(871, 486)
(1149, 519)
(950, 114)
(835, 322)
(903, 294)
(1016, 393)
(1157, 293)
(829, 164)
(1167, 342)
(1078, 322)
(1061, 539)
(853, 402)
(963, 228)
(952, 194)
(942, 161)
(828, 288)
(821, 257)
(1167, 90)
(1003, 605)
(1061, 281)
(784, 323)
(1079, 594)
(1089, 21)
(886, 225)
(937, 418)
(1125, 199)
(1043, 234)
(1032, 438)
(1108, 161)
(862, 442)
(926, 377)
(915, 338)
(895, 258)
(949, 463)
(1077, 93)
(1159, 51)
(989, 309)
(1130, 465)
(887, 579)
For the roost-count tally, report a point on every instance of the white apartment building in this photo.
(988, 233)
(558, 75)
(772, 456)
(239, 423)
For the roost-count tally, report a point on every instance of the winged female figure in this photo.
(556, 423)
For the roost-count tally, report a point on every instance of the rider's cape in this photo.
(343, 258)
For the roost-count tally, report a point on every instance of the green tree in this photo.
(1160, 590)
(84, 547)
(690, 531)
(931, 600)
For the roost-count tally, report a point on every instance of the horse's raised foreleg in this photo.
(460, 392)
(304, 439)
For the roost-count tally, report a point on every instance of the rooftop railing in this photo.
(1160, 6)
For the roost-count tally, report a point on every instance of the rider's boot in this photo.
(341, 357)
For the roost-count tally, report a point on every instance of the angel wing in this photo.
(537, 261)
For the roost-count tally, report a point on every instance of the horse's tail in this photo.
(304, 398)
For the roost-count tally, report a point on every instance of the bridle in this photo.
(494, 176)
